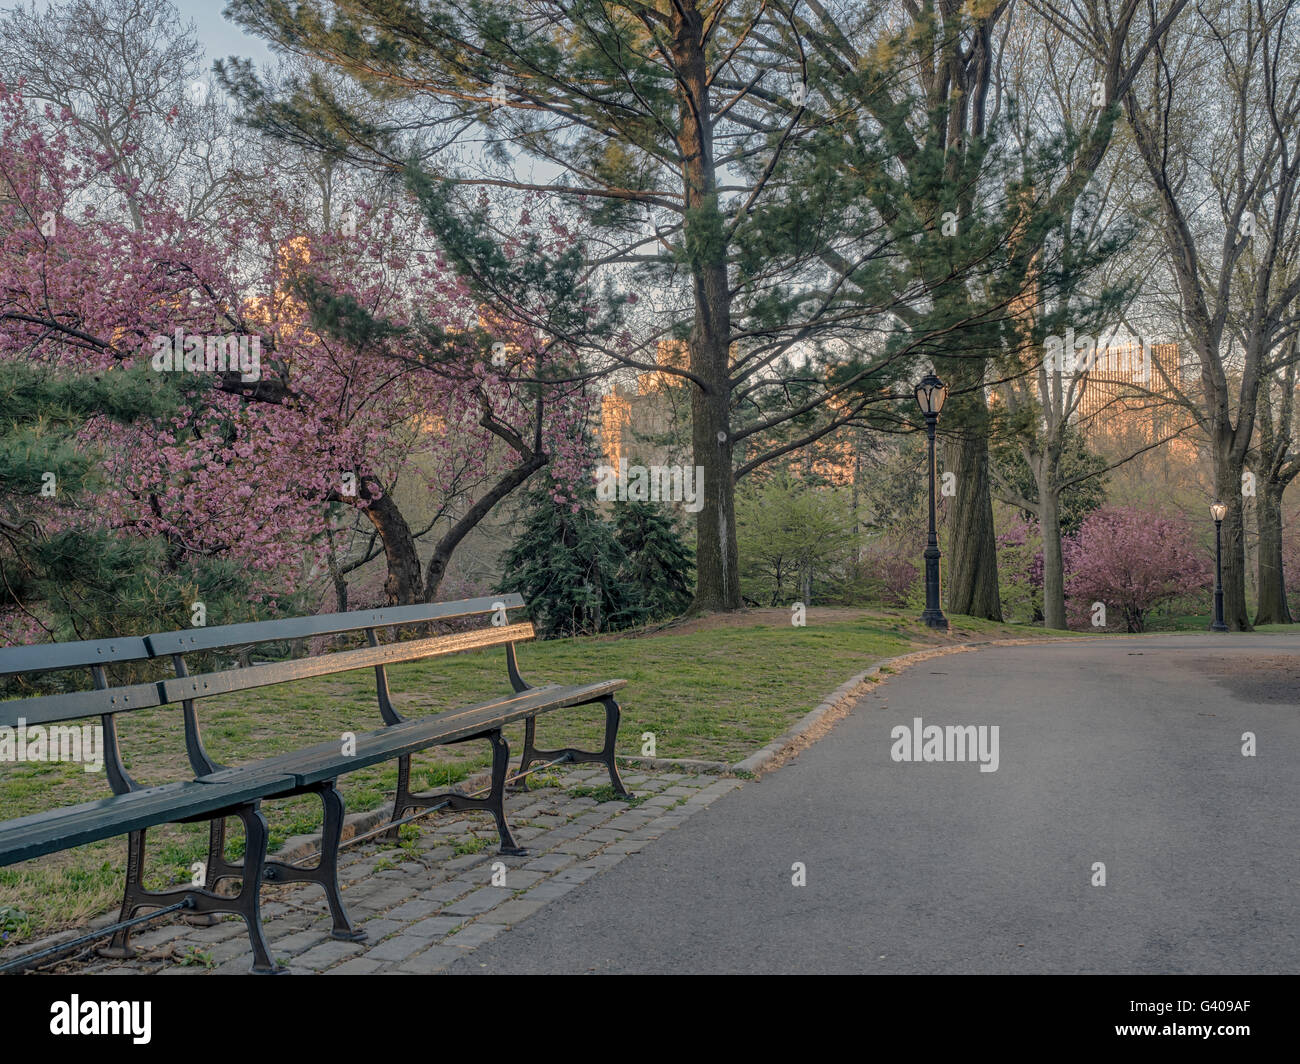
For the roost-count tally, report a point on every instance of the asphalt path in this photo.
(1124, 752)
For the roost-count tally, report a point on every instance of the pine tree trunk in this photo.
(857, 527)
(717, 557)
(1273, 606)
(717, 585)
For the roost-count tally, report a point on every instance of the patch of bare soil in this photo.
(1273, 679)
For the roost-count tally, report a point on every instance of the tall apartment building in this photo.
(1130, 393)
(636, 419)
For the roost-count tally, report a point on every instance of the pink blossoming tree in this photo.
(1132, 561)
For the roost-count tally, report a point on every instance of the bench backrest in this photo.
(230, 680)
(88, 653)
(185, 689)
(49, 709)
(103, 701)
(226, 636)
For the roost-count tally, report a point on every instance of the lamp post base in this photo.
(1218, 625)
(935, 619)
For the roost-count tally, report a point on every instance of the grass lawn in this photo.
(716, 688)
(1200, 622)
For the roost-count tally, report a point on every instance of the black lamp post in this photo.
(930, 394)
(1218, 511)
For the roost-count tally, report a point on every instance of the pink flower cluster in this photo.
(335, 421)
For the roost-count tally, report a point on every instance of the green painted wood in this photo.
(225, 636)
(325, 761)
(465, 725)
(41, 657)
(52, 708)
(61, 829)
(218, 683)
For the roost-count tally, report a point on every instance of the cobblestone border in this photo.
(429, 904)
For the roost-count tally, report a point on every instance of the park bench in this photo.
(217, 792)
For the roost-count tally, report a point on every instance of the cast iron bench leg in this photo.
(216, 870)
(494, 803)
(612, 718)
(404, 801)
(572, 756)
(249, 898)
(119, 945)
(247, 903)
(529, 754)
(326, 871)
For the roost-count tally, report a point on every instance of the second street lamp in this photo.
(930, 394)
(1218, 511)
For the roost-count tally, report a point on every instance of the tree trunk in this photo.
(1228, 467)
(446, 546)
(403, 584)
(1049, 523)
(716, 556)
(857, 478)
(1273, 606)
(340, 584)
(972, 548)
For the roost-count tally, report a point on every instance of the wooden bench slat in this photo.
(324, 761)
(76, 704)
(234, 635)
(106, 818)
(453, 723)
(217, 683)
(463, 724)
(42, 657)
(421, 729)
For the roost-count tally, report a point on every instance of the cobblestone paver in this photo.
(423, 904)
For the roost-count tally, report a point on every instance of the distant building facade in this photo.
(1132, 397)
(639, 421)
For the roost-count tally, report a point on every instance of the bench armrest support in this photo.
(386, 708)
(200, 762)
(118, 778)
(512, 669)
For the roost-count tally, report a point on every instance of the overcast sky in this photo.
(219, 35)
